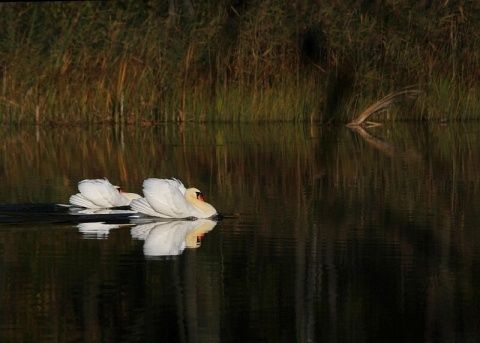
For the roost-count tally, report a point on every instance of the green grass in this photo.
(132, 62)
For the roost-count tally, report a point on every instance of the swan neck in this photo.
(203, 206)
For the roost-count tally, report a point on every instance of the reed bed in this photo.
(145, 63)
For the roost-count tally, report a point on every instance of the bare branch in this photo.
(383, 104)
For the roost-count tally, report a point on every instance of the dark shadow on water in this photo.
(55, 213)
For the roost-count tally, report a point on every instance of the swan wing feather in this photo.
(102, 193)
(177, 183)
(166, 196)
(79, 200)
(142, 206)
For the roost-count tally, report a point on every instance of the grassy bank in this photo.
(148, 62)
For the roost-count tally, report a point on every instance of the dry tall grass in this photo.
(144, 62)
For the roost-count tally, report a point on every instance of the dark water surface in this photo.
(330, 235)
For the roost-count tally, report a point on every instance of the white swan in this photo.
(100, 193)
(168, 198)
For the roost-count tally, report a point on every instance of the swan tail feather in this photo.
(80, 200)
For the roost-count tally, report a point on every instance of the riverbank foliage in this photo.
(146, 62)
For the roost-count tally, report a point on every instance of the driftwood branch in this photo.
(382, 104)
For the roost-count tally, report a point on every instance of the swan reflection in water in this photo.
(100, 229)
(97, 230)
(171, 238)
(162, 238)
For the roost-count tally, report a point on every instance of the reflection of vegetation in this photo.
(146, 61)
(321, 204)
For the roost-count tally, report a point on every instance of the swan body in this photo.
(168, 198)
(100, 193)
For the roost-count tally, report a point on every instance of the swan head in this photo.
(194, 194)
(195, 197)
